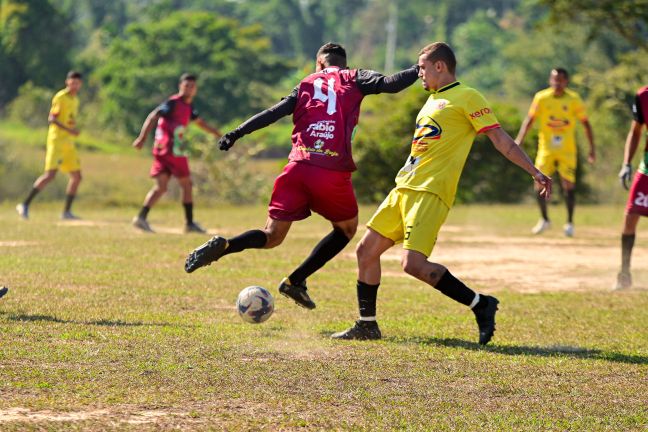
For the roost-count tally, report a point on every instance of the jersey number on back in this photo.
(330, 95)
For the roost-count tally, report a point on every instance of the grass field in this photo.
(102, 330)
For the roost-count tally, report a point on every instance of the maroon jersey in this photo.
(640, 114)
(175, 115)
(325, 117)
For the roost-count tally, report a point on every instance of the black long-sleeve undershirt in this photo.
(369, 82)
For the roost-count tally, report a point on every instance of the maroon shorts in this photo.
(302, 187)
(177, 166)
(638, 198)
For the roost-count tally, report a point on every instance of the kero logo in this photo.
(482, 112)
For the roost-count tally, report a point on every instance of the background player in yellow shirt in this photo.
(61, 150)
(557, 108)
(426, 186)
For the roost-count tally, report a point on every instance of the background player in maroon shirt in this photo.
(169, 150)
(638, 198)
(325, 108)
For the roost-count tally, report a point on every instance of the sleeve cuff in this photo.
(487, 128)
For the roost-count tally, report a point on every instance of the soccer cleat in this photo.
(297, 293)
(541, 226)
(361, 330)
(3, 291)
(23, 211)
(624, 281)
(142, 224)
(193, 227)
(568, 229)
(206, 254)
(68, 215)
(486, 320)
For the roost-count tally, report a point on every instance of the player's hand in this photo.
(591, 157)
(138, 143)
(624, 175)
(543, 184)
(227, 141)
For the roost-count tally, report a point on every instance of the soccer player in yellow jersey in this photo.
(61, 150)
(426, 185)
(557, 109)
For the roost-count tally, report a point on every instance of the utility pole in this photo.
(390, 49)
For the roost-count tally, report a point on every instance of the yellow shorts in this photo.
(63, 157)
(411, 217)
(564, 162)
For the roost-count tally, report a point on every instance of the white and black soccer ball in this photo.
(255, 304)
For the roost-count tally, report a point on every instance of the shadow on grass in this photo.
(101, 322)
(550, 351)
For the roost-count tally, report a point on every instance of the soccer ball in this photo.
(255, 304)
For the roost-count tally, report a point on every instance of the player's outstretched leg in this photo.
(218, 247)
(3, 290)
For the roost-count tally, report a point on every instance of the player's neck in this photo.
(444, 81)
(185, 99)
(559, 93)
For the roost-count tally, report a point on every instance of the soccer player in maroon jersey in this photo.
(638, 198)
(170, 150)
(325, 107)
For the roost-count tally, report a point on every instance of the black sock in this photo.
(325, 250)
(627, 243)
(143, 214)
(68, 202)
(30, 197)
(570, 199)
(253, 239)
(455, 289)
(543, 207)
(367, 295)
(188, 208)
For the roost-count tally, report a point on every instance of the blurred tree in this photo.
(234, 65)
(628, 18)
(28, 55)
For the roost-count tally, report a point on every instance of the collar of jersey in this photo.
(447, 87)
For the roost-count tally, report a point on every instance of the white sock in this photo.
(475, 301)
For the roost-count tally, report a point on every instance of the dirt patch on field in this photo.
(527, 264)
(133, 417)
(17, 243)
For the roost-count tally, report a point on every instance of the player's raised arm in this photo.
(513, 152)
(372, 82)
(263, 119)
(149, 124)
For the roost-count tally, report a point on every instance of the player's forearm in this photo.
(267, 117)
(371, 82)
(590, 135)
(148, 125)
(631, 144)
(511, 151)
(54, 121)
(524, 129)
(208, 128)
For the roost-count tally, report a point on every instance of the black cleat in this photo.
(361, 330)
(297, 293)
(486, 320)
(206, 254)
(3, 291)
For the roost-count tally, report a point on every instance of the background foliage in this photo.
(249, 53)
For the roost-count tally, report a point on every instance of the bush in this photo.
(31, 106)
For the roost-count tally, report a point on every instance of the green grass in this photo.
(102, 330)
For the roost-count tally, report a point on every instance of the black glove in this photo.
(625, 174)
(227, 141)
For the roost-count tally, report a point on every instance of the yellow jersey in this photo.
(65, 107)
(446, 127)
(556, 118)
